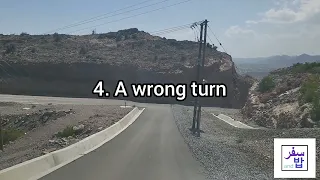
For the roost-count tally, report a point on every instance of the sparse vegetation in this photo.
(310, 93)
(309, 89)
(266, 84)
(134, 36)
(306, 68)
(214, 47)
(313, 68)
(83, 50)
(157, 46)
(24, 34)
(66, 132)
(33, 50)
(11, 135)
(240, 140)
(102, 36)
(118, 38)
(10, 48)
(56, 37)
(183, 59)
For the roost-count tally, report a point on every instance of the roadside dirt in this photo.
(40, 124)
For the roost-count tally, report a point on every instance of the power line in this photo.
(217, 39)
(171, 30)
(186, 25)
(237, 69)
(167, 32)
(90, 19)
(195, 34)
(102, 16)
(133, 15)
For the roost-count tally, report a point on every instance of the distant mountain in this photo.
(276, 61)
(261, 66)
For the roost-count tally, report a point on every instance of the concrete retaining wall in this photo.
(232, 122)
(35, 168)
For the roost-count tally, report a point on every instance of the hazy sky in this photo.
(246, 28)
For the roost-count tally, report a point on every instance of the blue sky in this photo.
(241, 25)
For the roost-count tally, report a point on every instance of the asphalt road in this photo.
(150, 148)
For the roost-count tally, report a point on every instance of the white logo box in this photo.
(294, 158)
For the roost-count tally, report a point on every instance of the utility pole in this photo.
(193, 128)
(205, 23)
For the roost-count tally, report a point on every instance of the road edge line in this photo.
(233, 125)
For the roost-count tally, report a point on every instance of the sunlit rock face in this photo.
(72, 65)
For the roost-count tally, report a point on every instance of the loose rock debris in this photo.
(39, 126)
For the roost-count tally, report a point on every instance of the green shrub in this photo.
(10, 48)
(315, 111)
(266, 84)
(56, 37)
(11, 135)
(83, 50)
(183, 59)
(310, 93)
(66, 132)
(309, 89)
(102, 36)
(119, 38)
(134, 36)
(33, 50)
(24, 34)
(306, 68)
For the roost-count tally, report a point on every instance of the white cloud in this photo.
(251, 22)
(291, 27)
(237, 30)
(295, 11)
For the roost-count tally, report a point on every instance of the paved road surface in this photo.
(150, 149)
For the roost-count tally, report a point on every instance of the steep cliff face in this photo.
(64, 65)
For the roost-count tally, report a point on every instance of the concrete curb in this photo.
(232, 122)
(43, 165)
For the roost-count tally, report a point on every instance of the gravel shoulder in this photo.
(231, 153)
(41, 123)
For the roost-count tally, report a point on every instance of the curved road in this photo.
(151, 148)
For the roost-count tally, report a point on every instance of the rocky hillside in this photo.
(287, 98)
(65, 65)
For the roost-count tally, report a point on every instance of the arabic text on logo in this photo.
(294, 158)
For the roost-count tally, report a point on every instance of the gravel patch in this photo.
(232, 153)
(219, 149)
(42, 139)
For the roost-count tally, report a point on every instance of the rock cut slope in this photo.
(67, 65)
(287, 98)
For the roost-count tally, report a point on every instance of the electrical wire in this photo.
(237, 69)
(186, 25)
(197, 32)
(181, 2)
(96, 18)
(217, 39)
(170, 31)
